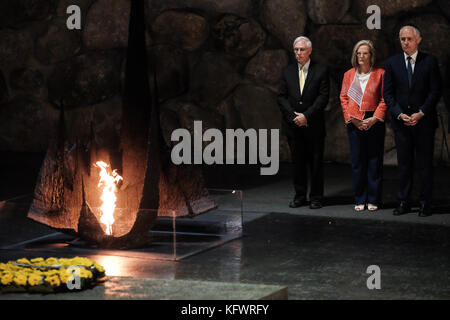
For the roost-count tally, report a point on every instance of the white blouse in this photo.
(363, 79)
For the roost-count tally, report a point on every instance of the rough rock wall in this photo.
(217, 61)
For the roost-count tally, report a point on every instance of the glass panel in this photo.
(172, 237)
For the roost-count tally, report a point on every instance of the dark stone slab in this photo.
(58, 43)
(285, 19)
(206, 87)
(26, 79)
(14, 13)
(106, 25)
(238, 36)
(326, 11)
(214, 8)
(161, 289)
(172, 72)
(265, 67)
(445, 7)
(183, 29)
(388, 8)
(15, 47)
(336, 50)
(257, 107)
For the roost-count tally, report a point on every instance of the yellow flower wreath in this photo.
(52, 271)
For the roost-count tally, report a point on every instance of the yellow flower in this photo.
(85, 273)
(64, 261)
(7, 278)
(50, 261)
(80, 261)
(53, 280)
(24, 261)
(10, 267)
(38, 272)
(37, 261)
(52, 272)
(99, 267)
(65, 276)
(34, 279)
(20, 279)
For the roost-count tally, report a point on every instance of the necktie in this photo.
(302, 79)
(410, 71)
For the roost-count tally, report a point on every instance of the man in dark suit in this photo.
(412, 87)
(302, 97)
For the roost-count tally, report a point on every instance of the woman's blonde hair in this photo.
(368, 43)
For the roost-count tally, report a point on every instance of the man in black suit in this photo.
(412, 87)
(302, 97)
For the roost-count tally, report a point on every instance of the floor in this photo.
(317, 254)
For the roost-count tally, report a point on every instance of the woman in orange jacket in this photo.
(364, 113)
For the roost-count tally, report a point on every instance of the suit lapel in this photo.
(295, 78)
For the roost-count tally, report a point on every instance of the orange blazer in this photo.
(372, 99)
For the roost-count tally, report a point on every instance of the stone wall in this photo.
(216, 61)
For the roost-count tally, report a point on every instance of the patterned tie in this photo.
(302, 79)
(410, 71)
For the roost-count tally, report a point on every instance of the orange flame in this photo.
(109, 184)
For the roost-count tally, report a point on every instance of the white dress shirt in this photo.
(305, 71)
(413, 60)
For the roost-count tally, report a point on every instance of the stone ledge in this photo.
(164, 289)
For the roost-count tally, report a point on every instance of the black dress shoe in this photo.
(425, 210)
(403, 208)
(315, 204)
(297, 202)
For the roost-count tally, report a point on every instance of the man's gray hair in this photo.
(416, 31)
(302, 38)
